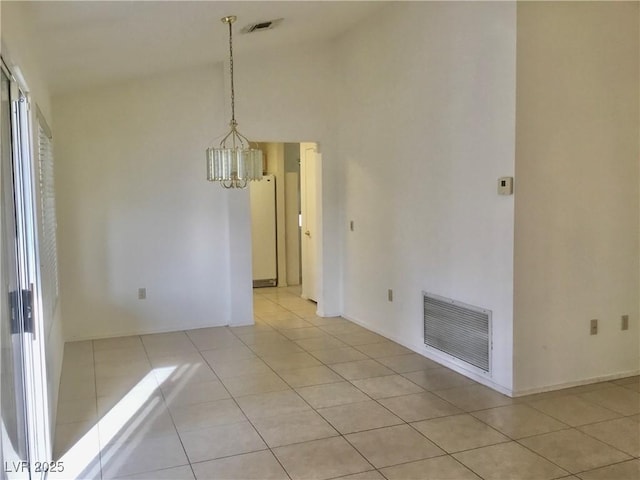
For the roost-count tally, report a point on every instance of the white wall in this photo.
(576, 235)
(135, 209)
(289, 96)
(426, 122)
(150, 219)
(17, 37)
(18, 51)
(239, 284)
(415, 114)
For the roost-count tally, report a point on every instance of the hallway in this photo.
(298, 396)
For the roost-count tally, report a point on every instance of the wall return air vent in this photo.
(457, 329)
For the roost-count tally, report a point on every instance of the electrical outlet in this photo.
(625, 322)
(390, 295)
(505, 186)
(142, 293)
(594, 327)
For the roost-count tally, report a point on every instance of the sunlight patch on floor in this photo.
(81, 460)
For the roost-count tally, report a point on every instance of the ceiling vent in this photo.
(262, 26)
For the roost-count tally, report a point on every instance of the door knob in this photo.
(307, 233)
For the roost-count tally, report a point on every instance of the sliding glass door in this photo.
(15, 302)
(25, 449)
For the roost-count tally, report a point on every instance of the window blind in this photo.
(48, 243)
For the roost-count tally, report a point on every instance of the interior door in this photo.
(308, 198)
(14, 305)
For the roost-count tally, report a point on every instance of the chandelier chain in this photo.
(233, 93)
(234, 163)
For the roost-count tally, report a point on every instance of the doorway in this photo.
(285, 219)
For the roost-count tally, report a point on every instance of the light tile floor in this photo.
(302, 397)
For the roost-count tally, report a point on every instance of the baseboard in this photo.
(441, 359)
(579, 383)
(244, 324)
(129, 333)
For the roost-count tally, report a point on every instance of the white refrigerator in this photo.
(263, 232)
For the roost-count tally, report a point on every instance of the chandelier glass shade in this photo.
(235, 161)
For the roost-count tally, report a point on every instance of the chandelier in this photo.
(236, 161)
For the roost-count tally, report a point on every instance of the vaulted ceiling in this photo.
(84, 43)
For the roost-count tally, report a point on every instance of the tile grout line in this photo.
(247, 417)
(463, 411)
(162, 395)
(189, 462)
(340, 434)
(95, 386)
(383, 406)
